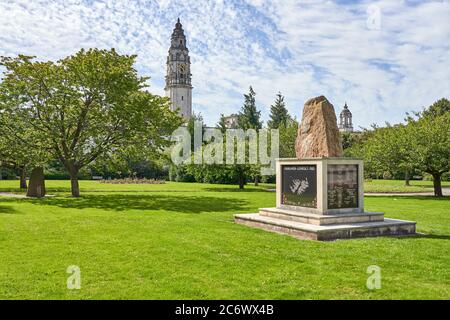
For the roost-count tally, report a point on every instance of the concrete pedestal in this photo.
(323, 199)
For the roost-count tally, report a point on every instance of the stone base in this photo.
(320, 219)
(326, 227)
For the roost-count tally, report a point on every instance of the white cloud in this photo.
(301, 48)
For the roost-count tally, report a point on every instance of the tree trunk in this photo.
(407, 177)
(256, 181)
(241, 181)
(23, 178)
(437, 184)
(37, 183)
(73, 171)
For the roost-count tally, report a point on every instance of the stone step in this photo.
(388, 227)
(320, 219)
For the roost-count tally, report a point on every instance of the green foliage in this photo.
(279, 115)
(221, 125)
(191, 124)
(249, 116)
(389, 149)
(439, 108)
(431, 143)
(422, 143)
(288, 135)
(86, 106)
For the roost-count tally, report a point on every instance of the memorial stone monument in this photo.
(319, 194)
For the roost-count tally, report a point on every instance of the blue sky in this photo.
(383, 57)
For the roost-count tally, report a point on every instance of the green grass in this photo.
(385, 186)
(178, 241)
(394, 186)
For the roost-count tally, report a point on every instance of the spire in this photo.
(178, 25)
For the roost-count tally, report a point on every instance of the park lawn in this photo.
(395, 186)
(178, 241)
(386, 186)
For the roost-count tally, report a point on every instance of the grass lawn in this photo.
(387, 186)
(399, 186)
(178, 241)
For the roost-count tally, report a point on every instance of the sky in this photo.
(383, 58)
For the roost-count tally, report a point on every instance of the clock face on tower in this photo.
(182, 68)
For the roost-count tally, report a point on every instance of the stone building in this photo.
(345, 120)
(178, 78)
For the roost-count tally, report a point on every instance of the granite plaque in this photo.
(299, 185)
(342, 186)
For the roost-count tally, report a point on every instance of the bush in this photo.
(180, 174)
(8, 174)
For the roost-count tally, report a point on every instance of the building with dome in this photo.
(345, 120)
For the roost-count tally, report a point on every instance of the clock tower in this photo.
(178, 78)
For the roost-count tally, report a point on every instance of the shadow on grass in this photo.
(122, 202)
(434, 236)
(422, 235)
(7, 210)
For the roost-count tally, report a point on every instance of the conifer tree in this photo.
(249, 116)
(279, 115)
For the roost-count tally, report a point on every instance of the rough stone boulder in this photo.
(318, 134)
(36, 187)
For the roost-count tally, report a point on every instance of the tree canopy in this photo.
(85, 106)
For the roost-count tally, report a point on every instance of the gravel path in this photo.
(12, 195)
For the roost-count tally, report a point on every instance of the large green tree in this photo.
(87, 105)
(279, 115)
(21, 147)
(390, 149)
(422, 143)
(429, 138)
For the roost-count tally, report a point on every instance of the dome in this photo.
(345, 111)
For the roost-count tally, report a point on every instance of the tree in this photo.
(221, 125)
(191, 128)
(390, 149)
(288, 135)
(422, 143)
(439, 108)
(249, 116)
(21, 147)
(279, 115)
(430, 137)
(86, 105)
